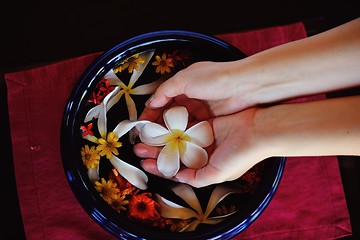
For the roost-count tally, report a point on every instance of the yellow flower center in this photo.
(178, 136)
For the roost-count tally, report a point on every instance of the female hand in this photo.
(235, 151)
(209, 81)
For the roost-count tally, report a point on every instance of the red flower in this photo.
(96, 98)
(142, 207)
(86, 130)
(106, 88)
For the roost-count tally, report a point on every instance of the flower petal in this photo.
(126, 125)
(191, 226)
(100, 110)
(94, 112)
(137, 73)
(217, 219)
(176, 118)
(153, 134)
(134, 175)
(219, 193)
(91, 138)
(168, 160)
(186, 192)
(132, 115)
(93, 174)
(131, 107)
(147, 88)
(102, 122)
(113, 79)
(170, 209)
(214, 220)
(201, 134)
(192, 155)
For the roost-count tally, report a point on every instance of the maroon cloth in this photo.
(309, 203)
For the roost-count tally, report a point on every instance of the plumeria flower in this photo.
(169, 209)
(127, 90)
(180, 143)
(108, 144)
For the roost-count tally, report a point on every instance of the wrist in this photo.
(266, 132)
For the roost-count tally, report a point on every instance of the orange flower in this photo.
(130, 63)
(163, 64)
(142, 207)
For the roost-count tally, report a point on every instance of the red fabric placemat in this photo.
(309, 203)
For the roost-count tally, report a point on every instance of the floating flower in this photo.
(142, 207)
(103, 88)
(86, 129)
(108, 190)
(120, 203)
(179, 58)
(163, 64)
(108, 144)
(90, 156)
(180, 144)
(127, 90)
(170, 209)
(130, 63)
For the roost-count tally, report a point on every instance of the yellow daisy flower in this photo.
(90, 156)
(108, 190)
(120, 203)
(109, 146)
(130, 63)
(163, 64)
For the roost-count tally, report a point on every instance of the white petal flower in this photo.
(170, 209)
(180, 143)
(127, 90)
(132, 174)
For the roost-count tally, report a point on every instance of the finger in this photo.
(145, 151)
(150, 165)
(199, 178)
(165, 92)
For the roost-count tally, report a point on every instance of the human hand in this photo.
(213, 82)
(235, 151)
(198, 110)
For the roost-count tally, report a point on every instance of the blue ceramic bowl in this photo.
(257, 186)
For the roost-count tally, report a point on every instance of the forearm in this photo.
(325, 62)
(325, 127)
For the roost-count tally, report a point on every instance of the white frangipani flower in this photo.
(180, 143)
(126, 90)
(169, 209)
(108, 142)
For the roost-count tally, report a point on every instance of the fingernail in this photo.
(149, 100)
(181, 180)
